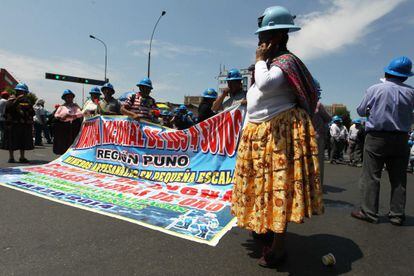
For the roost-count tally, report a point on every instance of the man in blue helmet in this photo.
(19, 124)
(204, 109)
(140, 105)
(388, 107)
(182, 120)
(355, 143)
(109, 105)
(166, 119)
(234, 91)
(339, 136)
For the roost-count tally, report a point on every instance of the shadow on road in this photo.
(332, 189)
(337, 204)
(305, 253)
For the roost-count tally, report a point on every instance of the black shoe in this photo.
(359, 214)
(271, 260)
(11, 160)
(23, 160)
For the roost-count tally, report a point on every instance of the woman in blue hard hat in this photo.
(68, 124)
(90, 108)
(204, 109)
(19, 124)
(277, 171)
(140, 105)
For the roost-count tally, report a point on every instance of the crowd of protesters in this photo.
(23, 125)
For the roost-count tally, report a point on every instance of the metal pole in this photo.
(106, 52)
(152, 35)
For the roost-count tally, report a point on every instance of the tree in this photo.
(32, 98)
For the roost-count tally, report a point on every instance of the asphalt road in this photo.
(41, 237)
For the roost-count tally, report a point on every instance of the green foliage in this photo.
(32, 98)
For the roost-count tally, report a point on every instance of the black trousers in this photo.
(391, 149)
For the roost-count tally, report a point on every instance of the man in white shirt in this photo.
(3, 101)
(355, 144)
(339, 136)
(40, 123)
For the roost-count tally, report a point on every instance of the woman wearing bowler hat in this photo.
(68, 124)
(277, 171)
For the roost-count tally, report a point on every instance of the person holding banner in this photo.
(277, 171)
(90, 108)
(109, 105)
(140, 105)
(69, 120)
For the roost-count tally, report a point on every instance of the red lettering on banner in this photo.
(229, 131)
(204, 133)
(194, 138)
(172, 188)
(189, 191)
(209, 193)
(153, 139)
(90, 135)
(183, 138)
(227, 196)
(136, 135)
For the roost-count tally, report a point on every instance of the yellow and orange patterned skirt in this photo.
(277, 173)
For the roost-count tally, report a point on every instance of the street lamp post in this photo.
(106, 51)
(152, 35)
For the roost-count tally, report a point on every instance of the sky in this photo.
(345, 43)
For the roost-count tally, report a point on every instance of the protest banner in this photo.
(175, 181)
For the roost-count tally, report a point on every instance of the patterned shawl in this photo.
(299, 77)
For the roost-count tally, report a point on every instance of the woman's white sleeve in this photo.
(267, 79)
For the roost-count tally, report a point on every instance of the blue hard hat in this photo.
(336, 118)
(356, 121)
(210, 93)
(95, 90)
(182, 107)
(317, 84)
(145, 82)
(108, 86)
(400, 67)
(276, 17)
(67, 92)
(190, 113)
(22, 87)
(234, 74)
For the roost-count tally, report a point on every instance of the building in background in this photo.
(193, 100)
(6, 80)
(334, 108)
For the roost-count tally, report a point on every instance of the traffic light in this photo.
(60, 77)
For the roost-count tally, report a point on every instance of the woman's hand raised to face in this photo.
(262, 51)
